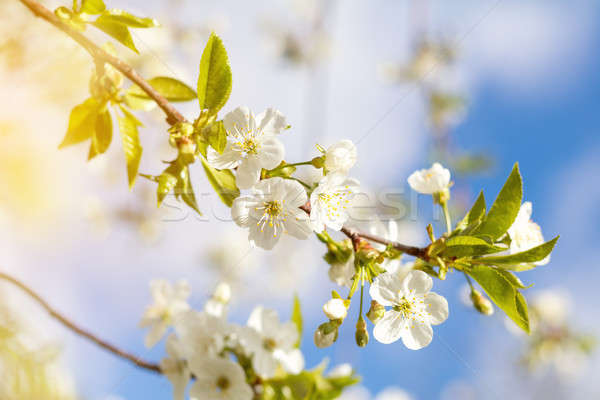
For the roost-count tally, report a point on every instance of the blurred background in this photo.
(477, 85)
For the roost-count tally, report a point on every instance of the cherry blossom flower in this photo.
(271, 343)
(175, 367)
(340, 157)
(430, 181)
(169, 302)
(218, 379)
(201, 333)
(413, 308)
(525, 234)
(329, 201)
(252, 144)
(335, 309)
(270, 210)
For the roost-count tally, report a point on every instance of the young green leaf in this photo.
(506, 207)
(214, 80)
(167, 181)
(170, 88)
(216, 136)
(92, 7)
(81, 122)
(184, 189)
(503, 293)
(474, 216)
(462, 246)
(128, 125)
(297, 318)
(223, 182)
(127, 19)
(532, 255)
(115, 29)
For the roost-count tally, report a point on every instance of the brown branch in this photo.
(173, 116)
(80, 331)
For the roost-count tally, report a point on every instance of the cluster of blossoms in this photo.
(273, 205)
(225, 361)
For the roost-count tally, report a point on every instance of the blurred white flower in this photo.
(525, 234)
(335, 309)
(414, 308)
(217, 304)
(341, 371)
(251, 144)
(270, 210)
(393, 393)
(175, 367)
(272, 342)
(342, 273)
(218, 379)
(201, 333)
(169, 302)
(329, 201)
(340, 157)
(551, 306)
(430, 181)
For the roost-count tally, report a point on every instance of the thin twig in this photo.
(173, 116)
(80, 331)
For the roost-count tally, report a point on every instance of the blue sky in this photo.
(530, 74)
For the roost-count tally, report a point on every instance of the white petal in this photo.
(297, 224)
(271, 121)
(418, 282)
(385, 289)
(264, 363)
(437, 307)
(294, 194)
(238, 119)
(156, 333)
(292, 361)
(417, 335)
(264, 235)
(248, 173)
(271, 152)
(230, 158)
(240, 210)
(389, 328)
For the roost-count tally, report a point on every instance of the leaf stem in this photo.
(78, 330)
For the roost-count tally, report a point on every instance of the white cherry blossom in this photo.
(330, 200)
(271, 210)
(335, 309)
(217, 304)
(340, 157)
(430, 181)
(525, 234)
(218, 379)
(342, 273)
(169, 302)
(271, 343)
(413, 308)
(201, 333)
(252, 144)
(175, 367)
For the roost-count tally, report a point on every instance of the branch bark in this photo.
(99, 54)
(80, 331)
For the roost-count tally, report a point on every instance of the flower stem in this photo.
(306, 185)
(447, 216)
(469, 281)
(298, 163)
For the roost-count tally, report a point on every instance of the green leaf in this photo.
(462, 246)
(92, 7)
(185, 191)
(103, 132)
(503, 293)
(124, 18)
(506, 207)
(532, 255)
(128, 125)
(81, 123)
(297, 318)
(166, 182)
(223, 181)
(169, 88)
(139, 103)
(513, 279)
(117, 30)
(474, 215)
(214, 80)
(216, 136)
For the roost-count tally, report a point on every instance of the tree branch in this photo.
(80, 331)
(173, 116)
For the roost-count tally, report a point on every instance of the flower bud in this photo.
(376, 312)
(362, 336)
(335, 309)
(340, 157)
(325, 336)
(481, 303)
(318, 162)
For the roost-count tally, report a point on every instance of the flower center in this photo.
(272, 208)
(273, 214)
(335, 202)
(413, 308)
(405, 308)
(249, 145)
(269, 344)
(223, 383)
